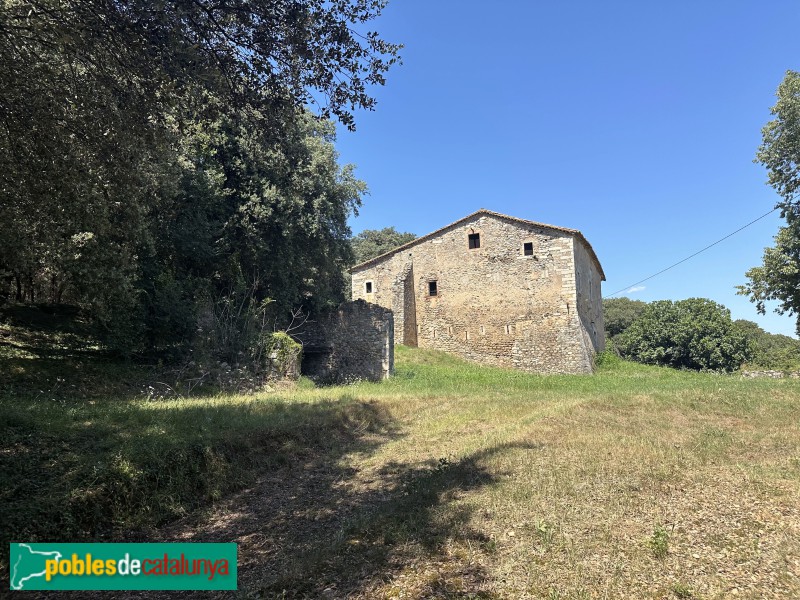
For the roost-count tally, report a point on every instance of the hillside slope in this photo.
(450, 480)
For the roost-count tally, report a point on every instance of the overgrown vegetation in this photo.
(449, 480)
(695, 334)
(770, 350)
(154, 163)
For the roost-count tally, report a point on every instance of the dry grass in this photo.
(456, 481)
(635, 483)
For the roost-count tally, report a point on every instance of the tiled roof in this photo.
(483, 211)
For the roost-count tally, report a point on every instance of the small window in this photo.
(527, 248)
(474, 240)
(369, 287)
(432, 288)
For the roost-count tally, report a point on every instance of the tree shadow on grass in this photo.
(278, 477)
(313, 531)
(45, 352)
(118, 470)
(62, 366)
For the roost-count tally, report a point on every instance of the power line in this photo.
(627, 287)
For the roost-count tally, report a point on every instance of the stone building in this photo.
(496, 290)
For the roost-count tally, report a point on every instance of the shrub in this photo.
(659, 542)
(693, 334)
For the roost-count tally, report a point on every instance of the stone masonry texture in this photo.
(354, 342)
(493, 304)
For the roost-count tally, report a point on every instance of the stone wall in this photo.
(493, 304)
(352, 343)
(771, 374)
(589, 301)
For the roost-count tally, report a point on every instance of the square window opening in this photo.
(527, 248)
(474, 240)
(433, 289)
(369, 287)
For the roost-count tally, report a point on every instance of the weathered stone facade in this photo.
(496, 290)
(352, 343)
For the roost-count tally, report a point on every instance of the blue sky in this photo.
(634, 122)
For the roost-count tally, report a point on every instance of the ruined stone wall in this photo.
(494, 305)
(352, 343)
(770, 374)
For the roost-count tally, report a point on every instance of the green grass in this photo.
(449, 480)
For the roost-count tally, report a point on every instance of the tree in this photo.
(269, 55)
(769, 350)
(778, 278)
(151, 150)
(374, 242)
(694, 334)
(620, 313)
(780, 150)
(249, 224)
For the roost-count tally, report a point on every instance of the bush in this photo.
(692, 334)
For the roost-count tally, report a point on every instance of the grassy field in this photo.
(448, 481)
